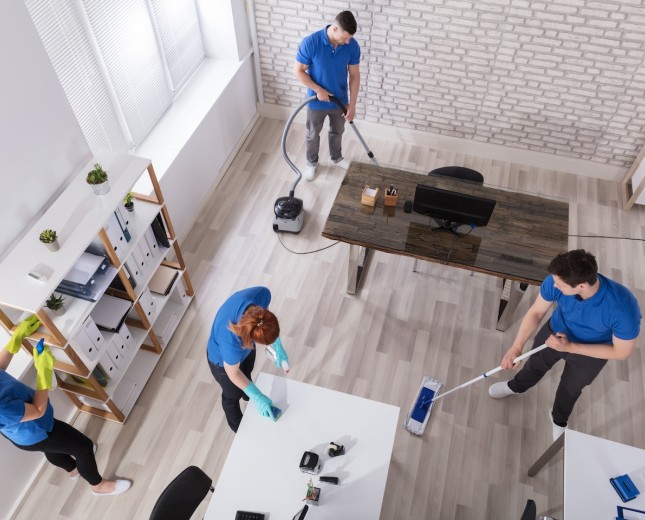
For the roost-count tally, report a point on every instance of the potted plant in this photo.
(98, 179)
(128, 201)
(50, 239)
(55, 303)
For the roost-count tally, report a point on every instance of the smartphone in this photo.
(330, 480)
(276, 412)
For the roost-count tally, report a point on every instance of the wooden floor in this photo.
(471, 462)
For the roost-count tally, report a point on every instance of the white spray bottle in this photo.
(270, 352)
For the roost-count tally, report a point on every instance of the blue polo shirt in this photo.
(612, 311)
(328, 66)
(223, 345)
(13, 396)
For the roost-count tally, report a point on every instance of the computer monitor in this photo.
(451, 208)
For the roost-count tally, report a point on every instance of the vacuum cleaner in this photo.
(288, 211)
(417, 418)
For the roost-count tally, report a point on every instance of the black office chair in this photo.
(530, 511)
(456, 172)
(183, 495)
(459, 172)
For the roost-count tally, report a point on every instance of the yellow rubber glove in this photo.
(25, 328)
(44, 362)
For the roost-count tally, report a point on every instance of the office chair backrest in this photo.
(530, 511)
(182, 496)
(459, 172)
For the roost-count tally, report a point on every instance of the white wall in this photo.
(42, 145)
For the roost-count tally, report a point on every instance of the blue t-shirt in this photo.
(328, 66)
(223, 345)
(612, 311)
(13, 396)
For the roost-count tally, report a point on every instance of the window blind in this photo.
(119, 61)
(70, 51)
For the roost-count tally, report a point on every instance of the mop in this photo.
(427, 396)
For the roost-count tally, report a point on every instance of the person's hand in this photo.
(511, 354)
(261, 401)
(281, 358)
(44, 363)
(351, 112)
(559, 342)
(323, 95)
(25, 328)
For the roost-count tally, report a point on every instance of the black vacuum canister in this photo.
(287, 207)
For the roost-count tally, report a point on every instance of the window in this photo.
(119, 62)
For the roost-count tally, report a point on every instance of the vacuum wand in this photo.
(370, 154)
(490, 372)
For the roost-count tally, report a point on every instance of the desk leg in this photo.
(357, 264)
(547, 456)
(507, 305)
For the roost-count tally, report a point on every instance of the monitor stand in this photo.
(448, 225)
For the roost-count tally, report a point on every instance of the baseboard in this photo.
(485, 150)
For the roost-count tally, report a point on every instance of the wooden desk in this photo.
(525, 231)
(261, 471)
(589, 463)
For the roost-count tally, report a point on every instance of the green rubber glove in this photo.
(261, 401)
(25, 328)
(44, 362)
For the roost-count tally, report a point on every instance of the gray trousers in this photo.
(315, 120)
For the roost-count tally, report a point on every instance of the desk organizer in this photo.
(390, 200)
(369, 195)
(313, 497)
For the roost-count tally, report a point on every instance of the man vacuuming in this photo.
(595, 319)
(324, 60)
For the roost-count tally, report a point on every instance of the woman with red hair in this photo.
(241, 321)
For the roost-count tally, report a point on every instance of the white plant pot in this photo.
(101, 189)
(60, 311)
(52, 246)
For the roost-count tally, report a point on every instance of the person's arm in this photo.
(5, 359)
(354, 85)
(38, 408)
(300, 71)
(236, 375)
(621, 348)
(529, 325)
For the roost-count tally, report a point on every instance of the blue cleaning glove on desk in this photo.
(281, 358)
(24, 329)
(261, 401)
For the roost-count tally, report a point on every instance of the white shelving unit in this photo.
(82, 220)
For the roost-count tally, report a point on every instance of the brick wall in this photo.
(565, 77)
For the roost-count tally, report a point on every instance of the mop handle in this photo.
(490, 372)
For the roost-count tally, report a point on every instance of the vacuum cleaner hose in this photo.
(285, 132)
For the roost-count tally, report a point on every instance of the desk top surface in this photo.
(589, 463)
(261, 471)
(523, 235)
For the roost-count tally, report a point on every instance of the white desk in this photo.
(589, 463)
(261, 471)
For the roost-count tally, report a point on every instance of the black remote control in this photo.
(330, 480)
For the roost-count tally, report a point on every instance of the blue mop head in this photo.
(420, 411)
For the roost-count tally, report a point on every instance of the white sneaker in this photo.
(310, 172)
(121, 486)
(557, 430)
(343, 163)
(499, 390)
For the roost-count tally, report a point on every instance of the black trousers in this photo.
(231, 394)
(69, 449)
(579, 371)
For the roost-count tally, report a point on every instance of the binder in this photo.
(122, 225)
(150, 239)
(86, 268)
(115, 235)
(124, 214)
(159, 231)
(163, 280)
(110, 313)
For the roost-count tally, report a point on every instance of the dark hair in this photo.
(346, 21)
(575, 267)
(256, 324)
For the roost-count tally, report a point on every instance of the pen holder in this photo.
(313, 497)
(390, 200)
(369, 195)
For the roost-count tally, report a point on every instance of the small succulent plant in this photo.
(97, 176)
(55, 302)
(48, 236)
